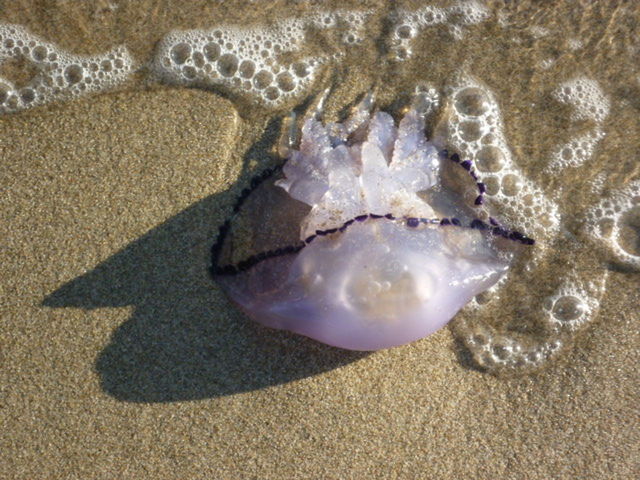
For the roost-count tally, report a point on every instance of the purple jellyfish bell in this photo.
(368, 264)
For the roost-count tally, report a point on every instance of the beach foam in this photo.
(575, 302)
(615, 223)
(474, 127)
(248, 60)
(589, 103)
(60, 74)
(409, 23)
(496, 351)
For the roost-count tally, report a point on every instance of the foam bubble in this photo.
(497, 352)
(587, 98)
(534, 339)
(60, 74)
(547, 63)
(474, 128)
(353, 23)
(248, 60)
(598, 183)
(576, 151)
(409, 24)
(615, 222)
(574, 44)
(589, 103)
(575, 302)
(538, 31)
(535, 332)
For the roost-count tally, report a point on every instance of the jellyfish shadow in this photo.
(184, 340)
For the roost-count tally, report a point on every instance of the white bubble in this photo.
(60, 74)
(615, 222)
(497, 352)
(547, 63)
(574, 44)
(249, 59)
(576, 151)
(575, 302)
(589, 103)
(586, 97)
(409, 23)
(518, 201)
(245, 59)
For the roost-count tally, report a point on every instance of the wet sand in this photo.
(121, 359)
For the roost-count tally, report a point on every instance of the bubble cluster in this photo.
(353, 24)
(538, 31)
(248, 60)
(574, 44)
(409, 23)
(572, 304)
(498, 352)
(589, 103)
(576, 151)
(546, 63)
(575, 302)
(615, 221)
(60, 75)
(426, 99)
(474, 128)
(587, 98)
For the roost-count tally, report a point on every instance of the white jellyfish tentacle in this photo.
(318, 110)
(289, 135)
(360, 114)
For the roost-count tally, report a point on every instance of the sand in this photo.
(121, 359)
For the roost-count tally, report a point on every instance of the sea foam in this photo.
(60, 74)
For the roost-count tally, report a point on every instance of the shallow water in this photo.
(543, 97)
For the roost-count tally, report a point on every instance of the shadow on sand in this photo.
(184, 340)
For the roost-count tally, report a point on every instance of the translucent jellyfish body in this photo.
(360, 243)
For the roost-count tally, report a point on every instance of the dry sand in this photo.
(121, 359)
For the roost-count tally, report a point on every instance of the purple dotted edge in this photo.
(493, 227)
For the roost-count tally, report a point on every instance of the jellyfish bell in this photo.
(354, 242)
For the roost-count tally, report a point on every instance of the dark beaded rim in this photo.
(493, 227)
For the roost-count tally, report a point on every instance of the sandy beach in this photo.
(120, 358)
